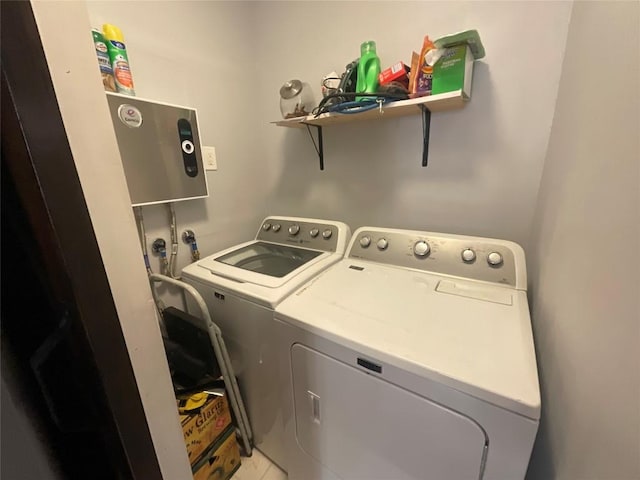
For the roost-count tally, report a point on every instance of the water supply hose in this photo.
(143, 238)
(171, 271)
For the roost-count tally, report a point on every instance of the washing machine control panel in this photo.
(475, 258)
(317, 236)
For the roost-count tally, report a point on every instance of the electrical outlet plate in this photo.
(209, 158)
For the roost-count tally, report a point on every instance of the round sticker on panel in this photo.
(130, 115)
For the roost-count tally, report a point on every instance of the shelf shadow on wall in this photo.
(374, 167)
(458, 138)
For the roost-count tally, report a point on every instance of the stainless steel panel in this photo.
(152, 154)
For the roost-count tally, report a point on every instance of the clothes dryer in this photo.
(411, 358)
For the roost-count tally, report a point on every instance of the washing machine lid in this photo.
(261, 263)
(269, 259)
(472, 336)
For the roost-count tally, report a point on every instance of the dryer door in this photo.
(359, 426)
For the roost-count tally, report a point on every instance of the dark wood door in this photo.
(64, 359)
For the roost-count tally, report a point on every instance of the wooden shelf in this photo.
(423, 105)
(401, 108)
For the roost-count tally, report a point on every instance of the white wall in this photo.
(485, 161)
(199, 54)
(228, 59)
(584, 276)
(65, 34)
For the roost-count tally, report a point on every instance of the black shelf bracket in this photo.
(318, 146)
(426, 126)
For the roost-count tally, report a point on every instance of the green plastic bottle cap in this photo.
(367, 47)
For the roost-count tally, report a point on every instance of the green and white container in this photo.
(104, 62)
(119, 59)
(454, 69)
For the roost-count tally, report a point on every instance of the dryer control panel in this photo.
(477, 258)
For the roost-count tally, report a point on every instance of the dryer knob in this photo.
(494, 259)
(314, 232)
(327, 234)
(275, 227)
(365, 241)
(468, 255)
(382, 244)
(421, 248)
(294, 229)
(266, 226)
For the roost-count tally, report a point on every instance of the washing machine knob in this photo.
(421, 248)
(365, 241)
(327, 234)
(468, 255)
(494, 259)
(275, 227)
(266, 226)
(382, 244)
(294, 229)
(314, 232)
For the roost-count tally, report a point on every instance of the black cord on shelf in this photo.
(324, 108)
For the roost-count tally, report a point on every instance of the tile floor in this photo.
(258, 467)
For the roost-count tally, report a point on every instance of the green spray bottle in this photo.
(119, 60)
(368, 70)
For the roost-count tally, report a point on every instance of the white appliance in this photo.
(160, 149)
(412, 358)
(241, 287)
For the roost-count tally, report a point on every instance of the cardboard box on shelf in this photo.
(202, 427)
(453, 71)
(221, 461)
(395, 73)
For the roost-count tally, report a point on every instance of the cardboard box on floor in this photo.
(203, 427)
(221, 461)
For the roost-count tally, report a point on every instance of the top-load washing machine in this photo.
(241, 287)
(412, 358)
